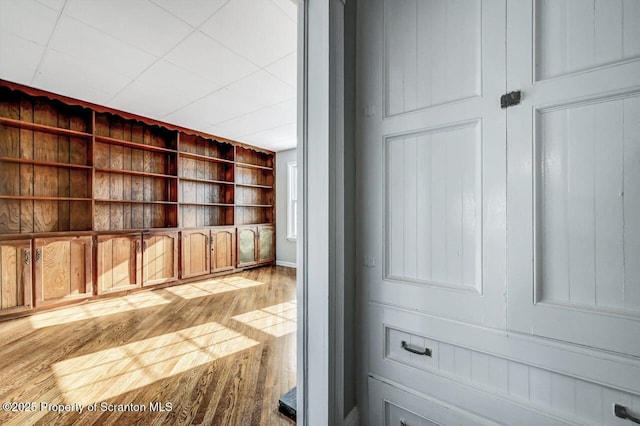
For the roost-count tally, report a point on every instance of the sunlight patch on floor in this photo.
(276, 320)
(104, 374)
(99, 308)
(210, 287)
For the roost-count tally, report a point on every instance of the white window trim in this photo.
(292, 200)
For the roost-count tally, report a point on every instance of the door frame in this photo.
(321, 220)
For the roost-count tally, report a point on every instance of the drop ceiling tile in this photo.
(283, 145)
(140, 23)
(287, 109)
(230, 103)
(164, 76)
(84, 42)
(266, 118)
(289, 7)
(56, 5)
(277, 137)
(262, 88)
(217, 131)
(69, 76)
(285, 69)
(27, 19)
(208, 58)
(148, 101)
(21, 67)
(196, 115)
(194, 12)
(256, 29)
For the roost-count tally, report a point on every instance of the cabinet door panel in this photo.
(160, 258)
(15, 276)
(247, 246)
(119, 262)
(223, 250)
(266, 244)
(432, 171)
(195, 253)
(62, 269)
(574, 164)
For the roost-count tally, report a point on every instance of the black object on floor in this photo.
(287, 404)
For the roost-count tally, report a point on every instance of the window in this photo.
(292, 200)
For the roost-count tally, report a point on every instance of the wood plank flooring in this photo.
(214, 352)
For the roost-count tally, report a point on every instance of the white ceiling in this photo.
(225, 67)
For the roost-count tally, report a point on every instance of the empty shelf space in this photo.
(43, 163)
(253, 166)
(136, 173)
(42, 127)
(204, 157)
(137, 145)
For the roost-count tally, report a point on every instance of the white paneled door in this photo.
(574, 172)
(433, 156)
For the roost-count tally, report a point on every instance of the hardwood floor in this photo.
(214, 352)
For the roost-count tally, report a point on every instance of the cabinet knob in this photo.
(27, 256)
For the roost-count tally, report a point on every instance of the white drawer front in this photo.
(391, 406)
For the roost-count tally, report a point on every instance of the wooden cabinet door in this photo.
(266, 244)
(223, 249)
(62, 269)
(119, 262)
(195, 253)
(15, 276)
(160, 258)
(247, 249)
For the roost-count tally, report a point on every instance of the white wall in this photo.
(285, 249)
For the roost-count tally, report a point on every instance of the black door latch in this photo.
(510, 99)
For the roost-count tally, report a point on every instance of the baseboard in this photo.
(353, 419)
(287, 264)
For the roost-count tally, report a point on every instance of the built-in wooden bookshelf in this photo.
(93, 195)
(254, 187)
(45, 165)
(206, 182)
(135, 177)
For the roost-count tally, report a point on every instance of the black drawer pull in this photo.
(621, 412)
(406, 347)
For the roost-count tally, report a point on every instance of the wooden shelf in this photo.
(36, 198)
(255, 205)
(136, 173)
(136, 145)
(102, 200)
(253, 166)
(221, 182)
(188, 203)
(44, 163)
(205, 157)
(43, 128)
(248, 185)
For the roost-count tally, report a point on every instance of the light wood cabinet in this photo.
(223, 249)
(247, 249)
(195, 253)
(160, 258)
(119, 262)
(266, 244)
(62, 269)
(15, 276)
